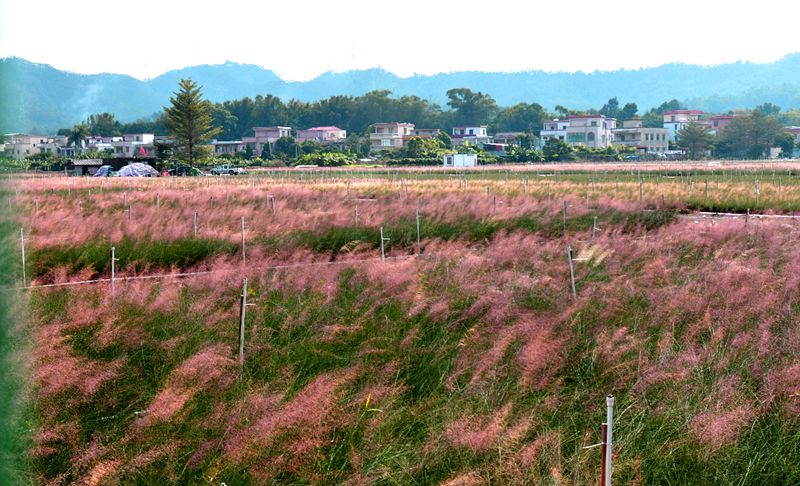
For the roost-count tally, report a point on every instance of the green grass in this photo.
(16, 414)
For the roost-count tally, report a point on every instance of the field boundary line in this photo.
(209, 272)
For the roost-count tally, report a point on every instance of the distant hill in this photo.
(39, 98)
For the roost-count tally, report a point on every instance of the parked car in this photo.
(186, 170)
(227, 169)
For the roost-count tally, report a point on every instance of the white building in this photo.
(389, 136)
(20, 146)
(472, 134)
(323, 135)
(460, 160)
(676, 120)
(594, 131)
(556, 129)
(644, 140)
(266, 136)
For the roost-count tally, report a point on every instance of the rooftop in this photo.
(684, 112)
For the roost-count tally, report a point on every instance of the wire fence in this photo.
(124, 279)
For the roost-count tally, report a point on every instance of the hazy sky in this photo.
(299, 40)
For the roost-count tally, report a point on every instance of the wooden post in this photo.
(383, 253)
(565, 216)
(356, 215)
(195, 223)
(594, 226)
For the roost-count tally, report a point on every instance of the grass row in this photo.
(139, 255)
(287, 347)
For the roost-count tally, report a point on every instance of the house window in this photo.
(594, 123)
(386, 142)
(470, 132)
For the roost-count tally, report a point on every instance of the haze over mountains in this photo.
(39, 98)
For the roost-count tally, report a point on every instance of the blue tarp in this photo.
(138, 169)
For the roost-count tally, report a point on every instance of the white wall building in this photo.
(389, 136)
(676, 120)
(593, 131)
(553, 129)
(472, 134)
(460, 160)
(266, 135)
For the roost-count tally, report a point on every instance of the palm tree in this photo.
(77, 135)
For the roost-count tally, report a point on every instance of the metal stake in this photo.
(571, 272)
(243, 250)
(383, 253)
(609, 435)
(242, 317)
(22, 245)
(418, 247)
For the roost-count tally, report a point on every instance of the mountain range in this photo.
(39, 98)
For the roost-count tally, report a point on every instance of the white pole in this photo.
(594, 226)
(22, 244)
(571, 272)
(113, 262)
(242, 317)
(243, 254)
(418, 247)
(383, 254)
(609, 421)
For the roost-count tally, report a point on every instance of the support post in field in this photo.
(356, 215)
(418, 245)
(130, 211)
(565, 216)
(603, 438)
(243, 251)
(113, 268)
(383, 251)
(494, 205)
(641, 191)
(37, 207)
(571, 272)
(594, 226)
(747, 217)
(22, 248)
(609, 437)
(242, 317)
(195, 224)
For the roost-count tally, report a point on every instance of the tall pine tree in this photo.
(189, 122)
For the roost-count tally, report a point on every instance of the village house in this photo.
(266, 136)
(389, 136)
(676, 120)
(20, 146)
(470, 134)
(555, 128)
(227, 147)
(644, 140)
(594, 131)
(323, 135)
(717, 123)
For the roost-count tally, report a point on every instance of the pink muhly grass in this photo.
(101, 471)
(478, 434)
(717, 429)
(540, 357)
(784, 384)
(210, 365)
(309, 411)
(532, 452)
(469, 478)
